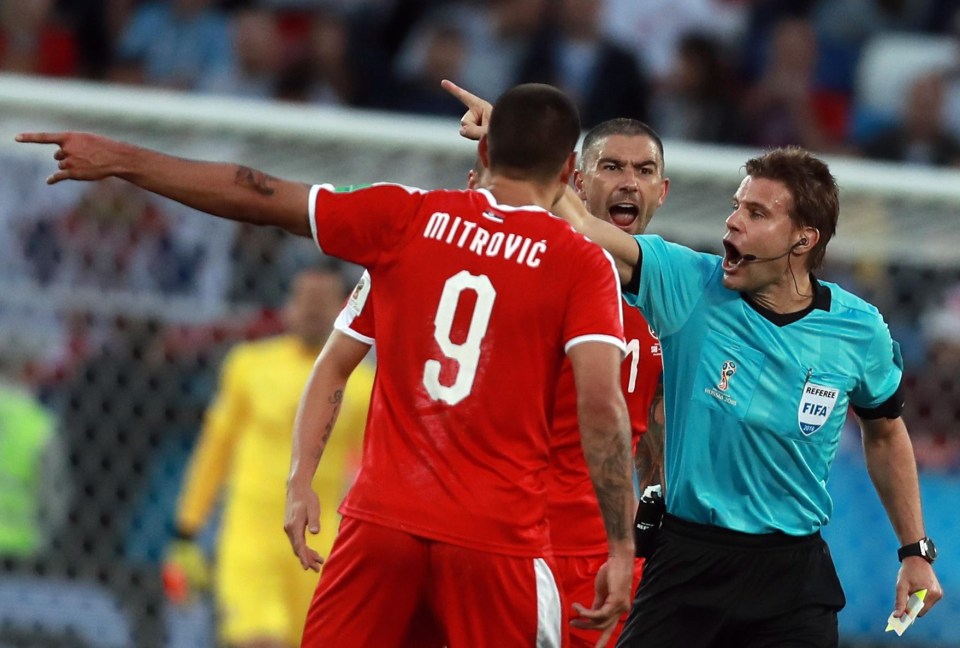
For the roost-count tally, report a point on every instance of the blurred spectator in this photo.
(602, 78)
(922, 136)
(33, 39)
(696, 101)
(31, 470)
(418, 90)
(181, 44)
(322, 72)
(952, 91)
(933, 392)
(498, 34)
(98, 25)
(117, 408)
(257, 59)
(784, 107)
(652, 29)
(116, 238)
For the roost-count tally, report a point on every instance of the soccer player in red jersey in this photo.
(479, 296)
(620, 180)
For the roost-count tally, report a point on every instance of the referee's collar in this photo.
(822, 299)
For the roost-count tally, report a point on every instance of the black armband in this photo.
(890, 408)
(632, 287)
(180, 534)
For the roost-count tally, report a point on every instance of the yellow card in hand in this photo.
(914, 605)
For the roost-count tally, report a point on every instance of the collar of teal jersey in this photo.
(821, 300)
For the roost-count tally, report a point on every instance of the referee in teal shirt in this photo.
(761, 362)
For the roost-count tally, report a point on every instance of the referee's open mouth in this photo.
(731, 256)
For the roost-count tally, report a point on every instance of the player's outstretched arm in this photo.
(227, 190)
(621, 246)
(893, 470)
(316, 416)
(605, 437)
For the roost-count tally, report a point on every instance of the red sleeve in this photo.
(359, 225)
(594, 310)
(356, 318)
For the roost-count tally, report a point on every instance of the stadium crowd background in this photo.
(103, 470)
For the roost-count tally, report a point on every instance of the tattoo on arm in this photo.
(336, 399)
(256, 180)
(612, 489)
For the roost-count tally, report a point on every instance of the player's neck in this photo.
(520, 193)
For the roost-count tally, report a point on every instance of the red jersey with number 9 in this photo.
(476, 304)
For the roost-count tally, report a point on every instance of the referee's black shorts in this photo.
(707, 586)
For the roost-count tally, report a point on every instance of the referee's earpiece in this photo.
(802, 241)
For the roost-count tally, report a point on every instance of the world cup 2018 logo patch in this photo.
(726, 372)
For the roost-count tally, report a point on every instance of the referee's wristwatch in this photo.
(923, 548)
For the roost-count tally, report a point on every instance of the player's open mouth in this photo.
(731, 256)
(624, 214)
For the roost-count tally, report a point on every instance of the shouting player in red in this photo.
(620, 179)
(479, 294)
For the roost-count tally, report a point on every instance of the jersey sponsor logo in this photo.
(816, 405)
(470, 236)
(726, 373)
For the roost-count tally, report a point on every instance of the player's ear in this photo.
(568, 167)
(578, 184)
(483, 151)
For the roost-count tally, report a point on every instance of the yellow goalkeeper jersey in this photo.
(246, 442)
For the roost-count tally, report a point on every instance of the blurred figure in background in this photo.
(33, 39)
(31, 471)
(322, 72)
(785, 106)
(695, 101)
(257, 59)
(246, 444)
(180, 44)
(922, 136)
(934, 389)
(418, 87)
(603, 78)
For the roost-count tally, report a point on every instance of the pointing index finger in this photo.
(466, 97)
(41, 138)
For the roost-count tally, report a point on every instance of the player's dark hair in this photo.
(816, 197)
(619, 126)
(533, 130)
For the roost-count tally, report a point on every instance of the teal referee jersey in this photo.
(754, 402)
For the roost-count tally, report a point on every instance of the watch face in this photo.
(928, 549)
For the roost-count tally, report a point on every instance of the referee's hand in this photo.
(916, 574)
